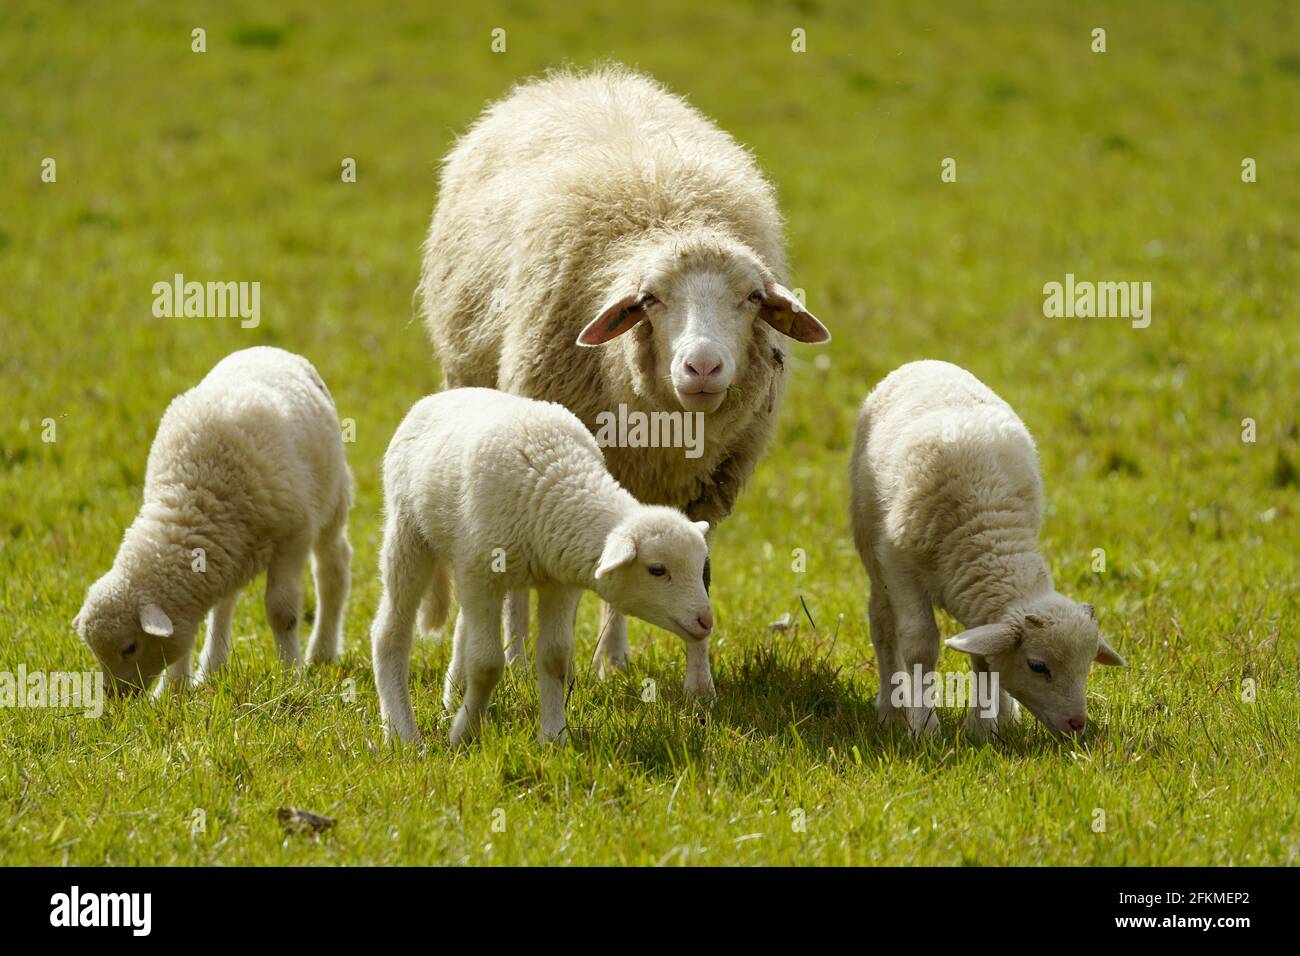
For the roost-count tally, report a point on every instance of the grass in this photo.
(1117, 166)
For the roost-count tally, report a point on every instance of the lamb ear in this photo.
(782, 310)
(703, 526)
(1106, 655)
(620, 549)
(615, 318)
(155, 621)
(986, 640)
(76, 623)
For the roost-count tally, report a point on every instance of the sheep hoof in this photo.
(923, 724)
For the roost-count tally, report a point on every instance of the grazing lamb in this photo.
(504, 493)
(947, 503)
(246, 474)
(597, 209)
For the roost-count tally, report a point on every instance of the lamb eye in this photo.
(1038, 667)
(756, 297)
(658, 570)
(647, 299)
(128, 649)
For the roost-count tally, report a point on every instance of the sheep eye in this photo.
(1038, 667)
(128, 649)
(756, 297)
(658, 570)
(647, 299)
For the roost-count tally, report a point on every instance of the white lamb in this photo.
(598, 209)
(246, 474)
(947, 504)
(504, 493)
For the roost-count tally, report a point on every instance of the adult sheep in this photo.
(598, 209)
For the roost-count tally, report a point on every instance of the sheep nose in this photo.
(1077, 723)
(703, 366)
(705, 621)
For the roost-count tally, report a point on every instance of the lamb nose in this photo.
(703, 367)
(705, 621)
(1077, 723)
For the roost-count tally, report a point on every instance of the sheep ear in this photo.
(614, 319)
(76, 623)
(986, 640)
(703, 526)
(783, 311)
(1106, 655)
(620, 549)
(155, 621)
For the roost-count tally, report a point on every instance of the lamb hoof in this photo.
(318, 655)
(394, 739)
(463, 730)
(700, 690)
(609, 666)
(167, 686)
(979, 728)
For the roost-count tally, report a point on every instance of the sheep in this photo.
(947, 501)
(599, 243)
(502, 493)
(246, 474)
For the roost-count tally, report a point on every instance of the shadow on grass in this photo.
(783, 694)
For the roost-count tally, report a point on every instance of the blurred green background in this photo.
(1122, 165)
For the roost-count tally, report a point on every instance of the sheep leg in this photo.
(331, 570)
(612, 650)
(455, 679)
(699, 678)
(284, 601)
(917, 646)
(216, 649)
(516, 622)
(177, 675)
(980, 726)
(483, 656)
(556, 611)
(880, 614)
(404, 566)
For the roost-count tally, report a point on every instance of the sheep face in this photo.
(654, 567)
(703, 303)
(130, 638)
(1041, 652)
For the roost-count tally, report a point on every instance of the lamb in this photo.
(246, 474)
(503, 494)
(947, 501)
(599, 243)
